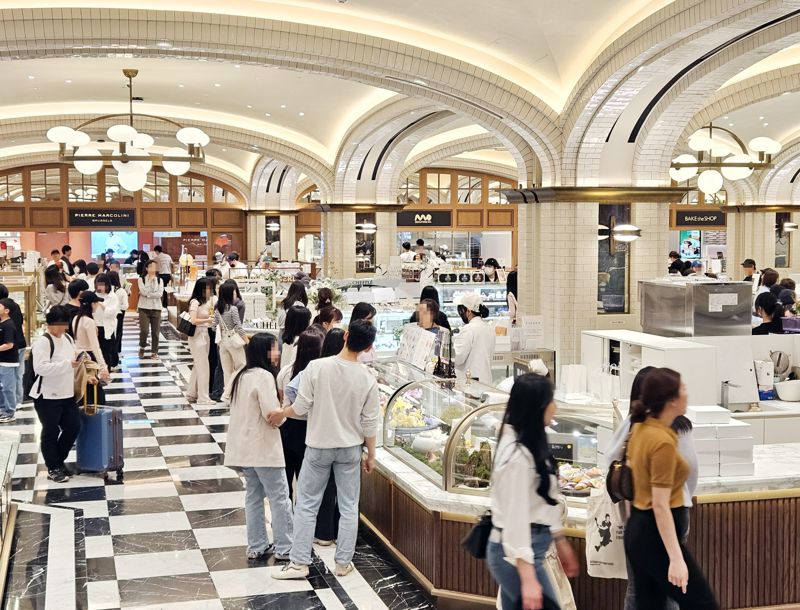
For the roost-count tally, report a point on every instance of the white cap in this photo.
(218, 256)
(472, 301)
(538, 366)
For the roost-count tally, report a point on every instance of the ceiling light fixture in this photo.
(283, 105)
(718, 158)
(31, 77)
(68, 81)
(267, 114)
(301, 114)
(218, 84)
(131, 159)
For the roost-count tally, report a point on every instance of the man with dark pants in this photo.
(52, 392)
(164, 261)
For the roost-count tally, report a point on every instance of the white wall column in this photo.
(339, 244)
(385, 238)
(288, 237)
(256, 233)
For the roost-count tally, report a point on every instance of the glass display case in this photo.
(389, 325)
(493, 293)
(392, 376)
(23, 288)
(447, 431)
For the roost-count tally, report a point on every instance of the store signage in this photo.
(423, 218)
(84, 217)
(695, 217)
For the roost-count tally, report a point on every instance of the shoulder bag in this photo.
(619, 481)
(185, 325)
(229, 338)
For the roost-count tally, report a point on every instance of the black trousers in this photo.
(293, 437)
(166, 278)
(109, 348)
(650, 564)
(118, 336)
(61, 422)
(216, 383)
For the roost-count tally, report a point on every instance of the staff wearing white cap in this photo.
(474, 344)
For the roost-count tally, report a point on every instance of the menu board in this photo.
(416, 345)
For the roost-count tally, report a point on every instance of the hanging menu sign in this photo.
(696, 217)
(423, 218)
(86, 217)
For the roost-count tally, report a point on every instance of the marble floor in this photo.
(171, 535)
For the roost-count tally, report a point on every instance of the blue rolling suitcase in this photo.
(99, 445)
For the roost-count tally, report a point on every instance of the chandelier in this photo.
(721, 154)
(131, 157)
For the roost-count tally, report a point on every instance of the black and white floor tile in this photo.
(172, 534)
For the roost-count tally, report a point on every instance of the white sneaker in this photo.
(290, 571)
(344, 569)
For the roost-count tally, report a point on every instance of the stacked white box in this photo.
(724, 446)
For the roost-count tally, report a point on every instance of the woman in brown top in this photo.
(662, 566)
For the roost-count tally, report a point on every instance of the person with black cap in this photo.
(749, 267)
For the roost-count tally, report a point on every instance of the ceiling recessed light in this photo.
(164, 44)
(13, 141)
(224, 150)
(267, 114)
(761, 118)
(181, 85)
(301, 114)
(283, 105)
(766, 124)
(730, 124)
(419, 81)
(786, 93)
(726, 118)
(31, 77)
(218, 84)
(68, 81)
(249, 105)
(237, 66)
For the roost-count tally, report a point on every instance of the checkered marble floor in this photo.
(172, 534)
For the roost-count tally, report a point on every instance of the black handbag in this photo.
(477, 540)
(619, 481)
(185, 325)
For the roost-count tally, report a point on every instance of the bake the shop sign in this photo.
(696, 217)
(423, 218)
(84, 217)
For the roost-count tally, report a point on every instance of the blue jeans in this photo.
(20, 374)
(506, 574)
(260, 483)
(345, 462)
(8, 390)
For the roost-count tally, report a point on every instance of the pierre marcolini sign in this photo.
(83, 217)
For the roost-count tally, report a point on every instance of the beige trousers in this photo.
(198, 380)
(232, 362)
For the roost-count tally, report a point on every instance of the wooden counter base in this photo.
(747, 544)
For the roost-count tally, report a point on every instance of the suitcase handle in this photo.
(87, 408)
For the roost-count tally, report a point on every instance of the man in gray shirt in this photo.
(340, 397)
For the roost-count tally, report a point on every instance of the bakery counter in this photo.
(743, 533)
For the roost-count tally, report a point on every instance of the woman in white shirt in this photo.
(54, 367)
(106, 319)
(474, 343)
(526, 508)
(255, 446)
(298, 318)
(122, 301)
(201, 308)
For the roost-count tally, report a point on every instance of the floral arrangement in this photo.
(313, 292)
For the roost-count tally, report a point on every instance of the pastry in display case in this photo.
(392, 376)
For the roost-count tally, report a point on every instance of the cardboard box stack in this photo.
(724, 446)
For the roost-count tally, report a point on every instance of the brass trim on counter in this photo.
(5, 553)
(748, 496)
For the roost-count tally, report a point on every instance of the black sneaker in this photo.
(58, 475)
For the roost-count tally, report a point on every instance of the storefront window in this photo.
(222, 195)
(496, 196)
(309, 249)
(366, 229)
(439, 191)
(157, 187)
(114, 192)
(409, 190)
(612, 261)
(11, 187)
(458, 247)
(272, 238)
(82, 188)
(782, 239)
(46, 184)
(191, 189)
(470, 189)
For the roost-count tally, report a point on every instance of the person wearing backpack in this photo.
(54, 365)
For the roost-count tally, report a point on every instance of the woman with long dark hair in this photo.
(683, 428)
(298, 318)
(334, 342)
(201, 306)
(324, 298)
(79, 267)
(662, 566)
(55, 291)
(770, 310)
(526, 513)
(430, 293)
(255, 446)
(327, 318)
(106, 318)
(151, 288)
(295, 294)
(84, 330)
(232, 356)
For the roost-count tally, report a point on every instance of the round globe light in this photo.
(709, 181)
(205, 139)
(765, 145)
(626, 233)
(135, 166)
(176, 168)
(699, 142)
(143, 141)
(79, 138)
(121, 133)
(737, 173)
(190, 135)
(685, 173)
(88, 168)
(60, 134)
(132, 180)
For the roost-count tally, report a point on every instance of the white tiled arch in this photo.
(475, 165)
(448, 149)
(282, 199)
(786, 163)
(495, 103)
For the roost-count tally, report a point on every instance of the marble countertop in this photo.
(776, 467)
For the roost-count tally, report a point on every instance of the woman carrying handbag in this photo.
(526, 508)
(201, 306)
(230, 337)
